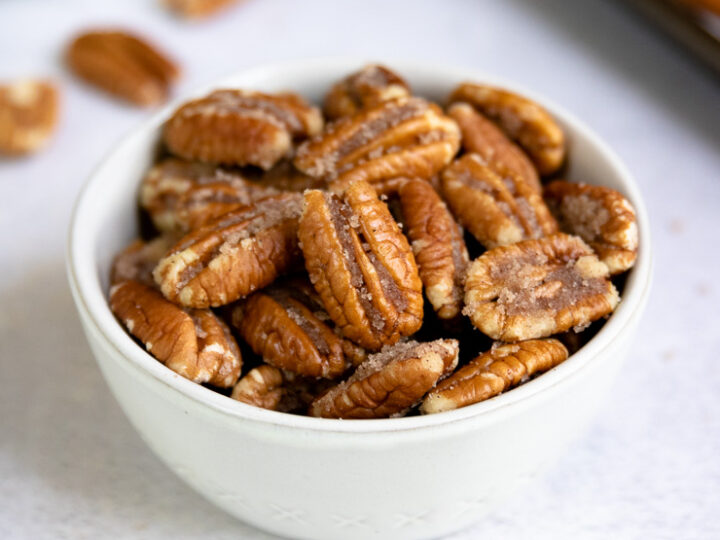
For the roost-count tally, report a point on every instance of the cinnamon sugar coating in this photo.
(496, 210)
(599, 215)
(240, 127)
(408, 137)
(369, 86)
(522, 120)
(361, 266)
(232, 255)
(537, 288)
(389, 382)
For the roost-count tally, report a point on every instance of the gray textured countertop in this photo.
(70, 464)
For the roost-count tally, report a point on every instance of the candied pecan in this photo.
(367, 87)
(194, 9)
(402, 137)
(494, 372)
(599, 215)
(483, 137)
(496, 210)
(122, 64)
(438, 245)
(240, 127)
(137, 261)
(232, 255)
(288, 335)
(182, 195)
(389, 382)
(28, 115)
(194, 342)
(537, 288)
(261, 387)
(522, 120)
(361, 265)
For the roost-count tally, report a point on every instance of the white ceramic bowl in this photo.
(316, 478)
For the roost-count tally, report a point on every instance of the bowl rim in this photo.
(91, 300)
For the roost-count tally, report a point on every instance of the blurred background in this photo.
(70, 464)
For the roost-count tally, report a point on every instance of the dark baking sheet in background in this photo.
(697, 30)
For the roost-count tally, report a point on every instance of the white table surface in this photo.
(71, 466)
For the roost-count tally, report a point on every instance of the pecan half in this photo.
(137, 261)
(523, 120)
(367, 87)
(389, 382)
(28, 115)
(483, 137)
(496, 210)
(195, 9)
(261, 387)
(601, 216)
(537, 288)
(232, 255)
(289, 335)
(240, 127)
(438, 245)
(361, 265)
(194, 343)
(494, 372)
(123, 65)
(408, 137)
(182, 195)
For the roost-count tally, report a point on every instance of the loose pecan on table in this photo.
(28, 115)
(361, 265)
(122, 64)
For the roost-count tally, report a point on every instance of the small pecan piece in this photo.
(137, 261)
(522, 120)
(408, 137)
(194, 343)
(537, 288)
(494, 372)
(285, 177)
(389, 382)
(361, 265)
(261, 387)
(483, 137)
(28, 115)
(496, 210)
(601, 216)
(182, 195)
(438, 245)
(232, 255)
(367, 87)
(289, 335)
(240, 127)
(122, 64)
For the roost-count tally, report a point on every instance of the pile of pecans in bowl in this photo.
(384, 257)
